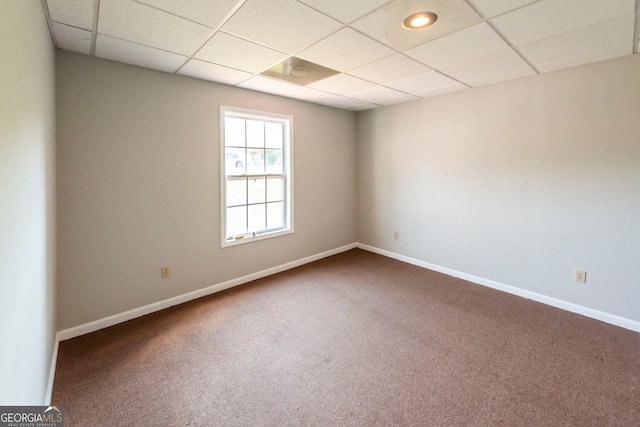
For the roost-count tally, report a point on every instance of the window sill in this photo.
(256, 238)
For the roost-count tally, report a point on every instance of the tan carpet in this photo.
(356, 339)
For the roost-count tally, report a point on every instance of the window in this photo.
(256, 186)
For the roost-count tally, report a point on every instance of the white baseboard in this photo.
(554, 302)
(52, 370)
(147, 309)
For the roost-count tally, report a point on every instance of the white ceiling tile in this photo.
(286, 25)
(552, 17)
(422, 82)
(346, 103)
(360, 106)
(498, 67)
(587, 58)
(135, 54)
(328, 99)
(77, 13)
(345, 11)
(341, 84)
(389, 69)
(491, 8)
(345, 50)
(583, 41)
(207, 12)
(306, 94)
(464, 46)
(212, 72)
(385, 24)
(376, 94)
(265, 84)
(398, 100)
(240, 54)
(442, 90)
(72, 38)
(150, 27)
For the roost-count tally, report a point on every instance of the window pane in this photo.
(255, 133)
(274, 135)
(257, 190)
(234, 132)
(235, 161)
(274, 161)
(255, 161)
(256, 168)
(236, 221)
(275, 215)
(236, 191)
(256, 217)
(275, 189)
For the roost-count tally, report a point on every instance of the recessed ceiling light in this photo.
(419, 20)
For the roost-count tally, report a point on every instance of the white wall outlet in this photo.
(395, 235)
(581, 276)
(165, 271)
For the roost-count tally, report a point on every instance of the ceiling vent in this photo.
(299, 71)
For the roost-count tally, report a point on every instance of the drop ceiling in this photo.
(473, 43)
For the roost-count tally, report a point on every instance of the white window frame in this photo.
(287, 122)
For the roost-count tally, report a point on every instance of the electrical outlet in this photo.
(165, 271)
(581, 276)
(395, 235)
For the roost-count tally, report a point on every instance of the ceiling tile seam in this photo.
(472, 4)
(362, 33)
(342, 27)
(215, 30)
(335, 94)
(360, 100)
(295, 53)
(150, 6)
(413, 59)
(635, 14)
(253, 42)
(223, 66)
(379, 85)
(635, 42)
(584, 54)
(395, 52)
(317, 90)
(47, 15)
(432, 70)
(275, 79)
(362, 78)
(69, 25)
(350, 22)
(94, 27)
(141, 44)
(501, 35)
(512, 46)
(636, 28)
(373, 11)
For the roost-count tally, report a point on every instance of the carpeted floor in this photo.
(356, 339)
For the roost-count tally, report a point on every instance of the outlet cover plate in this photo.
(581, 276)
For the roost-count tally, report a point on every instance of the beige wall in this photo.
(138, 186)
(27, 203)
(518, 183)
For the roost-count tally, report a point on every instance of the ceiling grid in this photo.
(377, 61)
